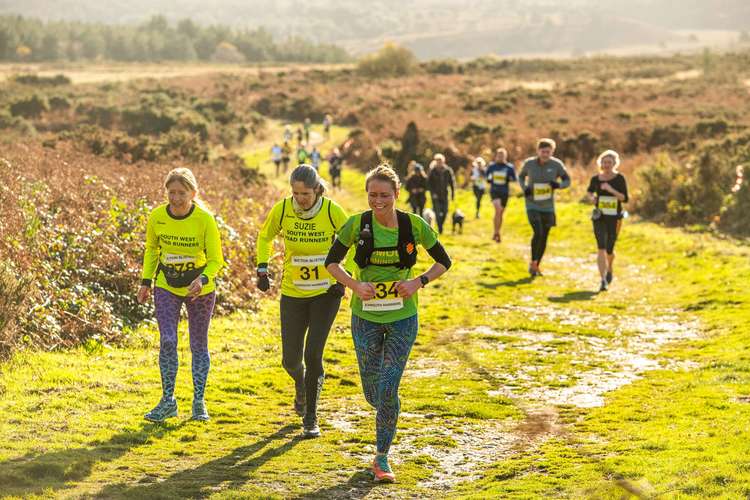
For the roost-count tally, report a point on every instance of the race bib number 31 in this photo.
(542, 192)
(309, 272)
(386, 298)
(608, 205)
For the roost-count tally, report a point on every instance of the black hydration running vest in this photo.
(407, 248)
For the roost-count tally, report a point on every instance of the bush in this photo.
(390, 61)
(30, 107)
(42, 81)
(443, 67)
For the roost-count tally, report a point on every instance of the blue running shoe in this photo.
(199, 411)
(166, 408)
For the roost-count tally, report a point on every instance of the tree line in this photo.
(25, 39)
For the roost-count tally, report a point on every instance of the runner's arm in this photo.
(151, 255)
(269, 231)
(562, 173)
(214, 254)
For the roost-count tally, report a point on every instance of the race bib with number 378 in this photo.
(386, 298)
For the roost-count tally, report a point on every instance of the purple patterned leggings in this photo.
(199, 310)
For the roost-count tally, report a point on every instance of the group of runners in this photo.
(183, 256)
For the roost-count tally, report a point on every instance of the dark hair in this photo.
(308, 176)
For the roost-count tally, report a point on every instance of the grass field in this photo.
(516, 388)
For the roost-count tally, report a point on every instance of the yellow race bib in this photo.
(500, 178)
(386, 298)
(309, 272)
(608, 205)
(542, 192)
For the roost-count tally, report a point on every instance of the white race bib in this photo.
(386, 298)
(542, 192)
(179, 263)
(608, 205)
(309, 272)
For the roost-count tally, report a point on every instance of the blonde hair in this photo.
(502, 150)
(383, 172)
(546, 142)
(439, 156)
(184, 176)
(612, 154)
(479, 162)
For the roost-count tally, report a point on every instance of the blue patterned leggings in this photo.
(382, 351)
(168, 306)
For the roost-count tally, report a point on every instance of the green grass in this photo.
(493, 347)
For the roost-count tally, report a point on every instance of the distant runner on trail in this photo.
(539, 180)
(327, 121)
(310, 298)
(287, 133)
(315, 158)
(335, 162)
(478, 180)
(301, 155)
(183, 255)
(500, 174)
(416, 186)
(439, 180)
(608, 191)
(384, 305)
(286, 155)
(307, 126)
(276, 153)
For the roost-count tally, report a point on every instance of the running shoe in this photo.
(496, 237)
(604, 286)
(165, 409)
(199, 411)
(609, 277)
(382, 471)
(310, 428)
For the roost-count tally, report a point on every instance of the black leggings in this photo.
(478, 194)
(440, 206)
(313, 316)
(541, 223)
(417, 202)
(605, 230)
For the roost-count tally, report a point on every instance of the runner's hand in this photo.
(408, 288)
(364, 290)
(555, 185)
(195, 287)
(605, 186)
(263, 283)
(528, 191)
(144, 292)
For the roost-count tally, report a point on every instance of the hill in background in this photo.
(438, 29)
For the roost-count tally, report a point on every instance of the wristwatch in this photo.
(424, 279)
(204, 279)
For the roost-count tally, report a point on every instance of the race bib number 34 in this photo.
(542, 192)
(309, 272)
(386, 298)
(608, 205)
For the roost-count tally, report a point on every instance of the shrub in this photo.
(390, 61)
(30, 107)
(42, 81)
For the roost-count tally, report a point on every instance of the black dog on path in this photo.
(458, 221)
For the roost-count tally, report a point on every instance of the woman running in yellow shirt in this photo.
(310, 298)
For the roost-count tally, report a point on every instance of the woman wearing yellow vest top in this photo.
(183, 255)
(310, 297)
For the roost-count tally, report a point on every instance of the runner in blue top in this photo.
(500, 174)
(315, 158)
